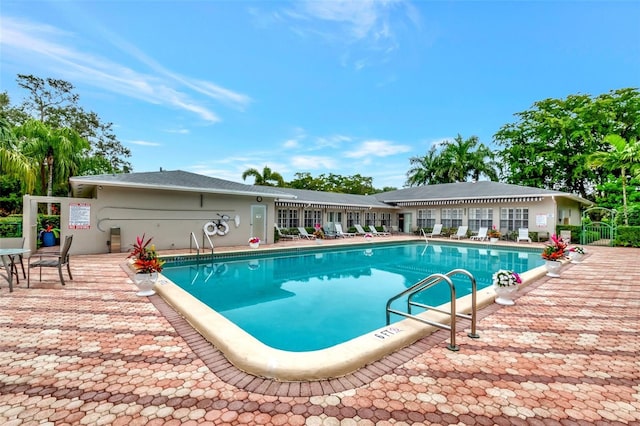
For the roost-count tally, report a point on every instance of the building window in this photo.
(334, 217)
(426, 218)
(312, 217)
(385, 218)
(480, 218)
(370, 218)
(288, 218)
(513, 218)
(353, 218)
(451, 218)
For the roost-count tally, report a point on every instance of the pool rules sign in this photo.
(79, 216)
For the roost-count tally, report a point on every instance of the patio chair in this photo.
(328, 232)
(461, 233)
(341, 233)
(304, 234)
(436, 231)
(359, 230)
(284, 236)
(523, 234)
(481, 235)
(377, 233)
(52, 260)
(18, 259)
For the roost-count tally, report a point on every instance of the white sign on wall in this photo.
(541, 220)
(79, 216)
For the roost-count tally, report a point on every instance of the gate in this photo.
(598, 226)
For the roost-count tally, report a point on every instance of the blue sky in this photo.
(217, 87)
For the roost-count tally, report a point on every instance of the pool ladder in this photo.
(193, 241)
(427, 283)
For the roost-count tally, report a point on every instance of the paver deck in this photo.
(92, 352)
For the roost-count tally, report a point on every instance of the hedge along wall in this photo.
(11, 226)
(628, 236)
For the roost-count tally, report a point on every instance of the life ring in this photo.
(223, 228)
(210, 228)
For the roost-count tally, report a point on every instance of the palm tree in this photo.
(12, 161)
(265, 177)
(425, 170)
(624, 156)
(55, 152)
(463, 159)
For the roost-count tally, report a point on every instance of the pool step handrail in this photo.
(194, 241)
(209, 240)
(427, 283)
(424, 234)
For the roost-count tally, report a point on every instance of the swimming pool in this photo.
(323, 297)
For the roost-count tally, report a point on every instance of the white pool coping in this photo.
(254, 357)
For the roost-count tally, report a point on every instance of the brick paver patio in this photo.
(94, 353)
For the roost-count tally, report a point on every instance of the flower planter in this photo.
(553, 268)
(493, 240)
(48, 239)
(505, 294)
(145, 282)
(576, 257)
(254, 245)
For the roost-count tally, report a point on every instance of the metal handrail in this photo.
(429, 282)
(208, 239)
(194, 240)
(424, 234)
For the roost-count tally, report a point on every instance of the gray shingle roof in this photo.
(469, 190)
(172, 180)
(306, 196)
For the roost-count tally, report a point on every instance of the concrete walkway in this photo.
(92, 352)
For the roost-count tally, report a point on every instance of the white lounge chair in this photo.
(359, 230)
(436, 231)
(284, 236)
(523, 234)
(304, 234)
(341, 233)
(481, 235)
(377, 233)
(462, 232)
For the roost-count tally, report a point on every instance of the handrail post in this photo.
(192, 238)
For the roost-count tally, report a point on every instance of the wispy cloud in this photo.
(45, 46)
(369, 24)
(312, 162)
(144, 143)
(377, 148)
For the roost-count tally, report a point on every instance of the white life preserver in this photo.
(210, 228)
(223, 228)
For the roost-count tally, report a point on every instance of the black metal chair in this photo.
(52, 260)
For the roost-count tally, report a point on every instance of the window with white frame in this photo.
(352, 218)
(513, 218)
(426, 218)
(370, 218)
(288, 218)
(312, 218)
(480, 218)
(385, 218)
(451, 218)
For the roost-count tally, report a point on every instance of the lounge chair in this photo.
(462, 233)
(481, 235)
(359, 230)
(328, 232)
(523, 234)
(341, 233)
(52, 260)
(304, 234)
(377, 233)
(283, 236)
(436, 231)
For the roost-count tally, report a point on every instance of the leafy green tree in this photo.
(54, 102)
(266, 178)
(425, 170)
(549, 145)
(623, 156)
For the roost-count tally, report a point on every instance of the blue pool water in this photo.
(314, 300)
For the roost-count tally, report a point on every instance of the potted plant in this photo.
(493, 234)
(576, 254)
(48, 235)
(553, 254)
(505, 284)
(254, 242)
(146, 264)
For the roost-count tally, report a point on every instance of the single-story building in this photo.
(181, 210)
